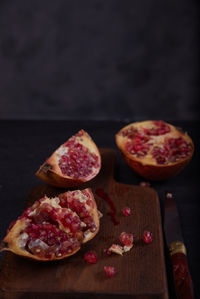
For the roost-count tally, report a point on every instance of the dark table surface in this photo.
(24, 145)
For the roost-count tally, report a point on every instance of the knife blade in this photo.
(182, 277)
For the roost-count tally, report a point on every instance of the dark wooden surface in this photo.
(140, 272)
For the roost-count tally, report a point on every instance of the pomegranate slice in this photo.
(51, 230)
(155, 149)
(75, 162)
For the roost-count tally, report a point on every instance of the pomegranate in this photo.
(75, 162)
(155, 149)
(54, 228)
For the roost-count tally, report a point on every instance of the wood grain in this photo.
(140, 272)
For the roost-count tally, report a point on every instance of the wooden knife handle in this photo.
(182, 277)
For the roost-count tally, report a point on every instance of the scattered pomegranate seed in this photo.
(145, 184)
(126, 239)
(126, 211)
(147, 237)
(110, 271)
(90, 257)
(169, 195)
(107, 252)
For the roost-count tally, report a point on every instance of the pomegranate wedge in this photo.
(54, 228)
(75, 162)
(155, 149)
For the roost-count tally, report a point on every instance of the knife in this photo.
(182, 277)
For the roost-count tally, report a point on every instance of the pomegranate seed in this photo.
(126, 211)
(72, 201)
(169, 195)
(90, 257)
(147, 237)
(110, 271)
(126, 239)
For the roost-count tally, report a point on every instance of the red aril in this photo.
(126, 211)
(90, 257)
(126, 239)
(110, 271)
(147, 237)
(155, 149)
(75, 162)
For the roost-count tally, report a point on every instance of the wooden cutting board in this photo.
(140, 272)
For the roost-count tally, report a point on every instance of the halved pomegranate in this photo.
(155, 149)
(54, 228)
(75, 162)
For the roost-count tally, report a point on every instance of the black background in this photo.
(99, 59)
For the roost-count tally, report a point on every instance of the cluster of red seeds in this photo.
(140, 143)
(72, 202)
(50, 214)
(160, 128)
(44, 236)
(78, 161)
(46, 240)
(173, 150)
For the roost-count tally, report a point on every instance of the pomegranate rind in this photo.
(12, 239)
(147, 166)
(51, 173)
